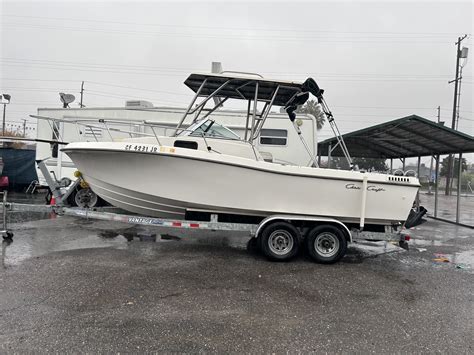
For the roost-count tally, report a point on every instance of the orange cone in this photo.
(52, 202)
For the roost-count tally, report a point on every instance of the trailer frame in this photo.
(254, 230)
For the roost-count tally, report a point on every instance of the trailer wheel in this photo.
(279, 241)
(86, 198)
(326, 244)
(8, 236)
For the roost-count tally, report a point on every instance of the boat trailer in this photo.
(325, 238)
(277, 236)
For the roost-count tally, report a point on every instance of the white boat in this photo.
(206, 168)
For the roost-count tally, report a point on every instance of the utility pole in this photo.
(82, 94)
(455, 106)
(3, 130)
(24, 127)
(5, 99)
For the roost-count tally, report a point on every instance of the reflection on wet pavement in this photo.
(42, 237)
(35, 237)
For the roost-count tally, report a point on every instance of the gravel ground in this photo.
(70, 285)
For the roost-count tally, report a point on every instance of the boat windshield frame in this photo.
(193, 130)
(253, 89)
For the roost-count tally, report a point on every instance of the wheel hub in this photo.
(326, 244)
(86, 198)
(280, 242)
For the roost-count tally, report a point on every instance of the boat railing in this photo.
(241, 72)
(110, 126)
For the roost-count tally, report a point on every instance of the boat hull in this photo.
(169, 182)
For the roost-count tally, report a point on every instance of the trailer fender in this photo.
(293, 218)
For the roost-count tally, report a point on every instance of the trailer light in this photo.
(77, 174)
(406, 237)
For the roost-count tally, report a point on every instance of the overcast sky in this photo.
(376, 60)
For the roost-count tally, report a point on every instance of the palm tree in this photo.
(311, 107)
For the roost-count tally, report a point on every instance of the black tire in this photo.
(252, 246)
(279, 241)
(8, 236)
(71, 200)
(326, 244)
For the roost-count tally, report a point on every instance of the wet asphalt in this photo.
(73, 285)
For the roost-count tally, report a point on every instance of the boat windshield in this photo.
(210, 128)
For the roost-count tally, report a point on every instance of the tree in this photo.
(370, 164)
(13, 144)
(339, 163)
(445, 167)
(311, 107)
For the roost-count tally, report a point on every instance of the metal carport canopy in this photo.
(411, 136)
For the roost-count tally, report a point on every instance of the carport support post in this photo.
(391, 165)
(418, 193)
(329, 155)
(458, 200)
(436, 186)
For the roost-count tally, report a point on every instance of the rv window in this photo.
(93, 132)
(273, 136)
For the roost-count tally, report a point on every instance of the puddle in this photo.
(423, 242)
(32, 243)
(169, 237)
(357, 252)
(137, 235)
(459, 260)
(108, 234)
(465, 258)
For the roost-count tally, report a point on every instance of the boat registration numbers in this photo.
(148, 148)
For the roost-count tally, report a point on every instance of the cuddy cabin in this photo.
(208, 136)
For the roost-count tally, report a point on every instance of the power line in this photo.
(104, 69)
(38, 89)
(112, 95)
(102, 21)
(141, 89)
(239, 37)
(82, 64)
(29, 79)
(188, 70)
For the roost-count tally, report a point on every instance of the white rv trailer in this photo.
(276, 137)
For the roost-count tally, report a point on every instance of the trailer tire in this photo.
(253, 245)
(326, 244)
(86, 198)
(279, 241)
(8, 236)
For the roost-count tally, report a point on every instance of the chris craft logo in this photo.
(369, 188)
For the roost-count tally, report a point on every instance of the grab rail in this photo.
(139, 124)
(240, 72)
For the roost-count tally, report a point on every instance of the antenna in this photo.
(66, 99)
